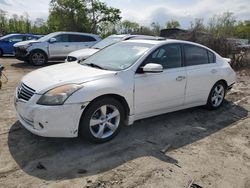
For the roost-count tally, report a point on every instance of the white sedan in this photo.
(120, 84)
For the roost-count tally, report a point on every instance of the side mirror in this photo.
(52, 40)
(152, 68)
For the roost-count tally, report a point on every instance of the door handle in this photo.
(214, 71)
(180, 78)
(66, 45)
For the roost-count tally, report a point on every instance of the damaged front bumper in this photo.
(49, 121)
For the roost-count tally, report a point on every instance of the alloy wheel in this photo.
(218, 95)
(104, 121)
(38, 58)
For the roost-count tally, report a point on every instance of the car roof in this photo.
(134, 36)
(167, 41)
(78, 33)
(154, 42)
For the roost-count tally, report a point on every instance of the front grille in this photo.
(70, 58)
(24, 92)
(20, 51)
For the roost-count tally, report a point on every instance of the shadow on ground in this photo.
(55, 159)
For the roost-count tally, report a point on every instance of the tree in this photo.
(127, 26)
(3, 21)
(80, 15)
(223, 24)
(198, 25)
(156, 28)
(172, 24)
(100, 13)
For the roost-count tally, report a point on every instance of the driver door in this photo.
(61, 48)
(156, 92)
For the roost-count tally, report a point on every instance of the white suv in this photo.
(83, 54)
(55, 46)
(122, 83)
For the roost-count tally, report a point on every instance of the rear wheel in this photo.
(102, 120)
(38, 58)
(216, 96)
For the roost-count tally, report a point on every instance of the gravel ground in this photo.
(207, 148)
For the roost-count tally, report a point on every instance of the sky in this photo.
(146, 11)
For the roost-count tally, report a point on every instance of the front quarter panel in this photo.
(39, 46)
(121, 84)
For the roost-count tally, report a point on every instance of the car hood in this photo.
(47, 78)
(83, 53)
(25, 43)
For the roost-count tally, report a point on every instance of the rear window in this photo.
(195, 55)
(81, 38)
(211, 57)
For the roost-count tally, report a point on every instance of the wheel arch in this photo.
(223, 81)
(38, 50)
(119, 98)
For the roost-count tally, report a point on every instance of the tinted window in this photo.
(16, 39)
(211, 57)
(81, 38)
(195, 55)
(62, 38)
(169, 56)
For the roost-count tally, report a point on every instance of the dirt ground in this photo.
(208, 148)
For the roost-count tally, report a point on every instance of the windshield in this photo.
(107, 42)
(47, 37)
(118, 56)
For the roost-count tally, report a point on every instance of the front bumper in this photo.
(49, 121)
(21, 54)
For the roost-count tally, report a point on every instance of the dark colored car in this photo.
(7, 42)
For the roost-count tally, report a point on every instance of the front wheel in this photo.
(38, 58)
(216, 96)
(102, 120)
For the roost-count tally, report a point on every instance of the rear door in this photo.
(202, 73)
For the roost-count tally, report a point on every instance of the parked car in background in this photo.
(55, 46)
(7, 42)
(84, 53)
(120, 84)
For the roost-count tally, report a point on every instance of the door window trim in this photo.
(207, 52)
(139, 71)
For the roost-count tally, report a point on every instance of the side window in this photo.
(169, 56)
(18, 38)
(62, 38)
(195, 55)
(30, 37)
(81, 38)
(211, 57)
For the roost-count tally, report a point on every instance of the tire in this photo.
(103, 127)
(38, 58)
(1, 52)
(216, 96)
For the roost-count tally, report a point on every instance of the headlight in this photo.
(26, 46)
(58, 95)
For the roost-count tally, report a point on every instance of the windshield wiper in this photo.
(96, 48)
(94, 65)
